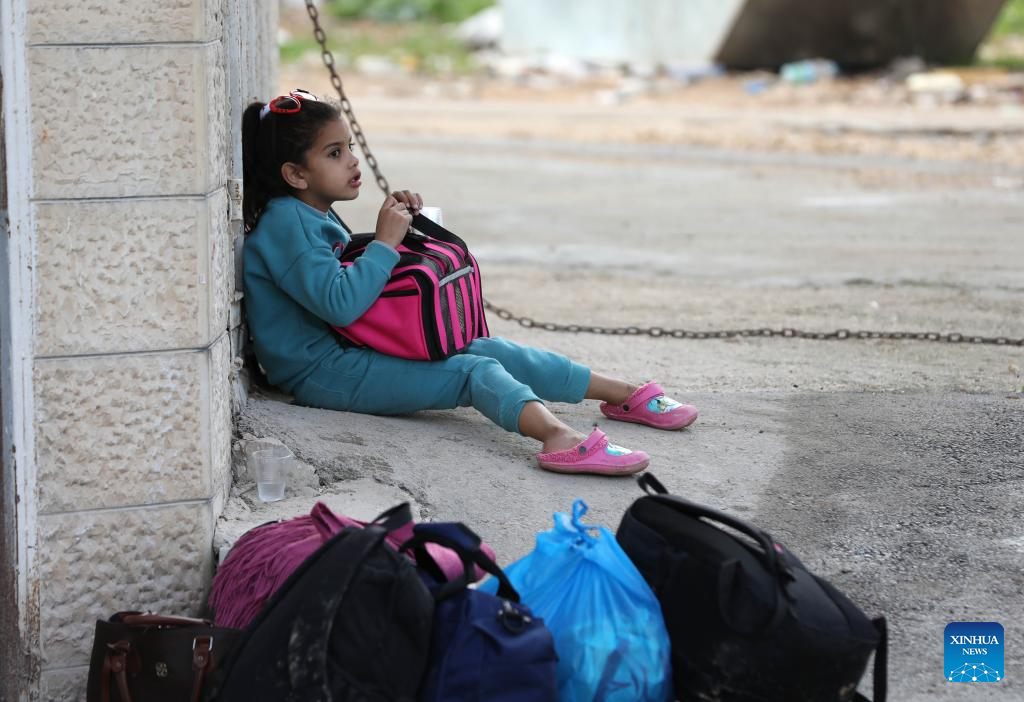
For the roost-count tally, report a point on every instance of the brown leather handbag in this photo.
(146, 657)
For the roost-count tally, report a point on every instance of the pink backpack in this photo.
(432, 307)
(264, 557)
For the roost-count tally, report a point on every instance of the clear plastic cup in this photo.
(270, 468)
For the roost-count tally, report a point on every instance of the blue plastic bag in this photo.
(607, 624)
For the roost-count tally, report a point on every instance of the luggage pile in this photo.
(683, 603)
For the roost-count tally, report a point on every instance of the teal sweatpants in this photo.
(495, 376)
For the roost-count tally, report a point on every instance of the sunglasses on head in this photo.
(288, 104)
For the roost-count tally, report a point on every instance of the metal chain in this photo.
(346, 106)
(786, 332)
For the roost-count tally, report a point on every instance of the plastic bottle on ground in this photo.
(809, 71)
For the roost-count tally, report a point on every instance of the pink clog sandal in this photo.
(649, 405)
(595, 455)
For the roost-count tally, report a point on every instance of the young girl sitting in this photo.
(297, 161)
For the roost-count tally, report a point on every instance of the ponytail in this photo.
(269, 143)
(254, 198)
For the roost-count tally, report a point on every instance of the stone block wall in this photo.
(132, 115)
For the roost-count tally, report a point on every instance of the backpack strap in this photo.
(344, 226)
(879, 678)
(435, 230)
(463, 541)
(394, 518)
(311, 629)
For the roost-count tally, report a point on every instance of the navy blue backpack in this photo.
(482, 648)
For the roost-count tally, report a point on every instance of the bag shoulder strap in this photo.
(435, 230)
(307, 654)
(115, 664)
(464, 542)
(344, 226)
(880, 676)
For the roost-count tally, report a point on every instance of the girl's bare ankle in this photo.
(563, 439)
(630, 389)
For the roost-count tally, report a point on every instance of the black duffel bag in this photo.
(748, 622)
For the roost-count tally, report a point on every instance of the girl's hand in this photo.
(393, 222)
(412, 200)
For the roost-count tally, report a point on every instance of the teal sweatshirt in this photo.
(295, 288)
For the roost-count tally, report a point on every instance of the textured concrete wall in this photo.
(133, 127)
(252, 27)
(124, 21)
(148, 120)
(139, 274)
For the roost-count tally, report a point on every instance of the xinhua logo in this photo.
(974, 652)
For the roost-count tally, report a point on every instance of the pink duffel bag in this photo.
(265, 556)
(432, 307)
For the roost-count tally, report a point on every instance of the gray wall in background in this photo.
(618, 30)
(748, 33)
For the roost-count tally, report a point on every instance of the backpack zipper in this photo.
(462, 272)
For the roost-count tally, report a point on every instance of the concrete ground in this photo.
(893, 469)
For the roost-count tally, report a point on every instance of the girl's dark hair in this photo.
(269, 143)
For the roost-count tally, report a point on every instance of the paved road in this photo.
(893, 469)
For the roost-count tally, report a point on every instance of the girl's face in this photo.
(331, 172)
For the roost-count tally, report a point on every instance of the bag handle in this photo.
(879, 678)
(202, 647)
(433, 229)
(464, 542)
(115, 664)
(660, 493)
(394, 518)
(307, 663)
(148, 619)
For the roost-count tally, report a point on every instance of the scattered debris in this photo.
(756, 86)
(689, 73)
(809, 71)
(503, 65)
(565, 67)
(482, 30)
(902, 68)
(944, 86)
